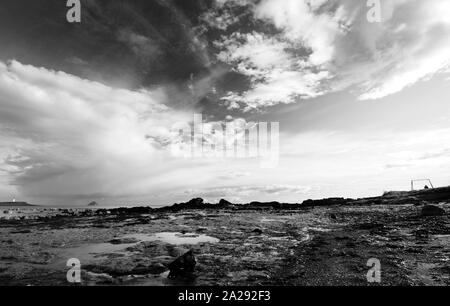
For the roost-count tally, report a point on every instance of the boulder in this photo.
(201, 229)
(421, 234)
(183, 265)
(257, 231)
(224, 203)
(431, 210)
(326, 202)
(155, 268)
(195, 202)
(139, 210)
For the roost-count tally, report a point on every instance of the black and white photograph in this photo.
(225, 144)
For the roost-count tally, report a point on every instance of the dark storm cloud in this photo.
(143, 42)
(133, 44)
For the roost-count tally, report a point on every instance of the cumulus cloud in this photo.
(324, 46)
(265, 61)
(65, 136)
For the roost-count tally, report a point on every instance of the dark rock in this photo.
(265, 205)
(371, 226)
(140, 210)
(183, 265)
(224, 203)
(257, 231)
(25, 231)
(421, 234)
(431, 210)
(97, 278)
(193, 217)
(175, 251)
(326, 202)
(156, 268)
(101, 212)
(333, 216)
(341, 238)
(123, 240)
(351, 244)
(195, 202)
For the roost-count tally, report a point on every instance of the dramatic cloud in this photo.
(95, 122)
(73, 137)
(69, 139)
(317, 47)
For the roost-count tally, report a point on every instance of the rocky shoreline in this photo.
(322, 242)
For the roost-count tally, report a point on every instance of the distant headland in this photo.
(15, 204)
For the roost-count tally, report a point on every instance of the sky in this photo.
(87, 109)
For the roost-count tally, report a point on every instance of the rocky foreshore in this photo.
(15, 204)
(317, 242)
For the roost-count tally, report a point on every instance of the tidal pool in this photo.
(178, 238)
(91, 252)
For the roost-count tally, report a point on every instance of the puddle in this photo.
(170, 238)
(440, 240)
(90, 252)
(264, 219)
(179, 238)
(316, 229)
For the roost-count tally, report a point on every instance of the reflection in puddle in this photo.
(179, 238)
(92, 252)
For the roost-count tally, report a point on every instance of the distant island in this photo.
(93, 204)
(15, 204)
